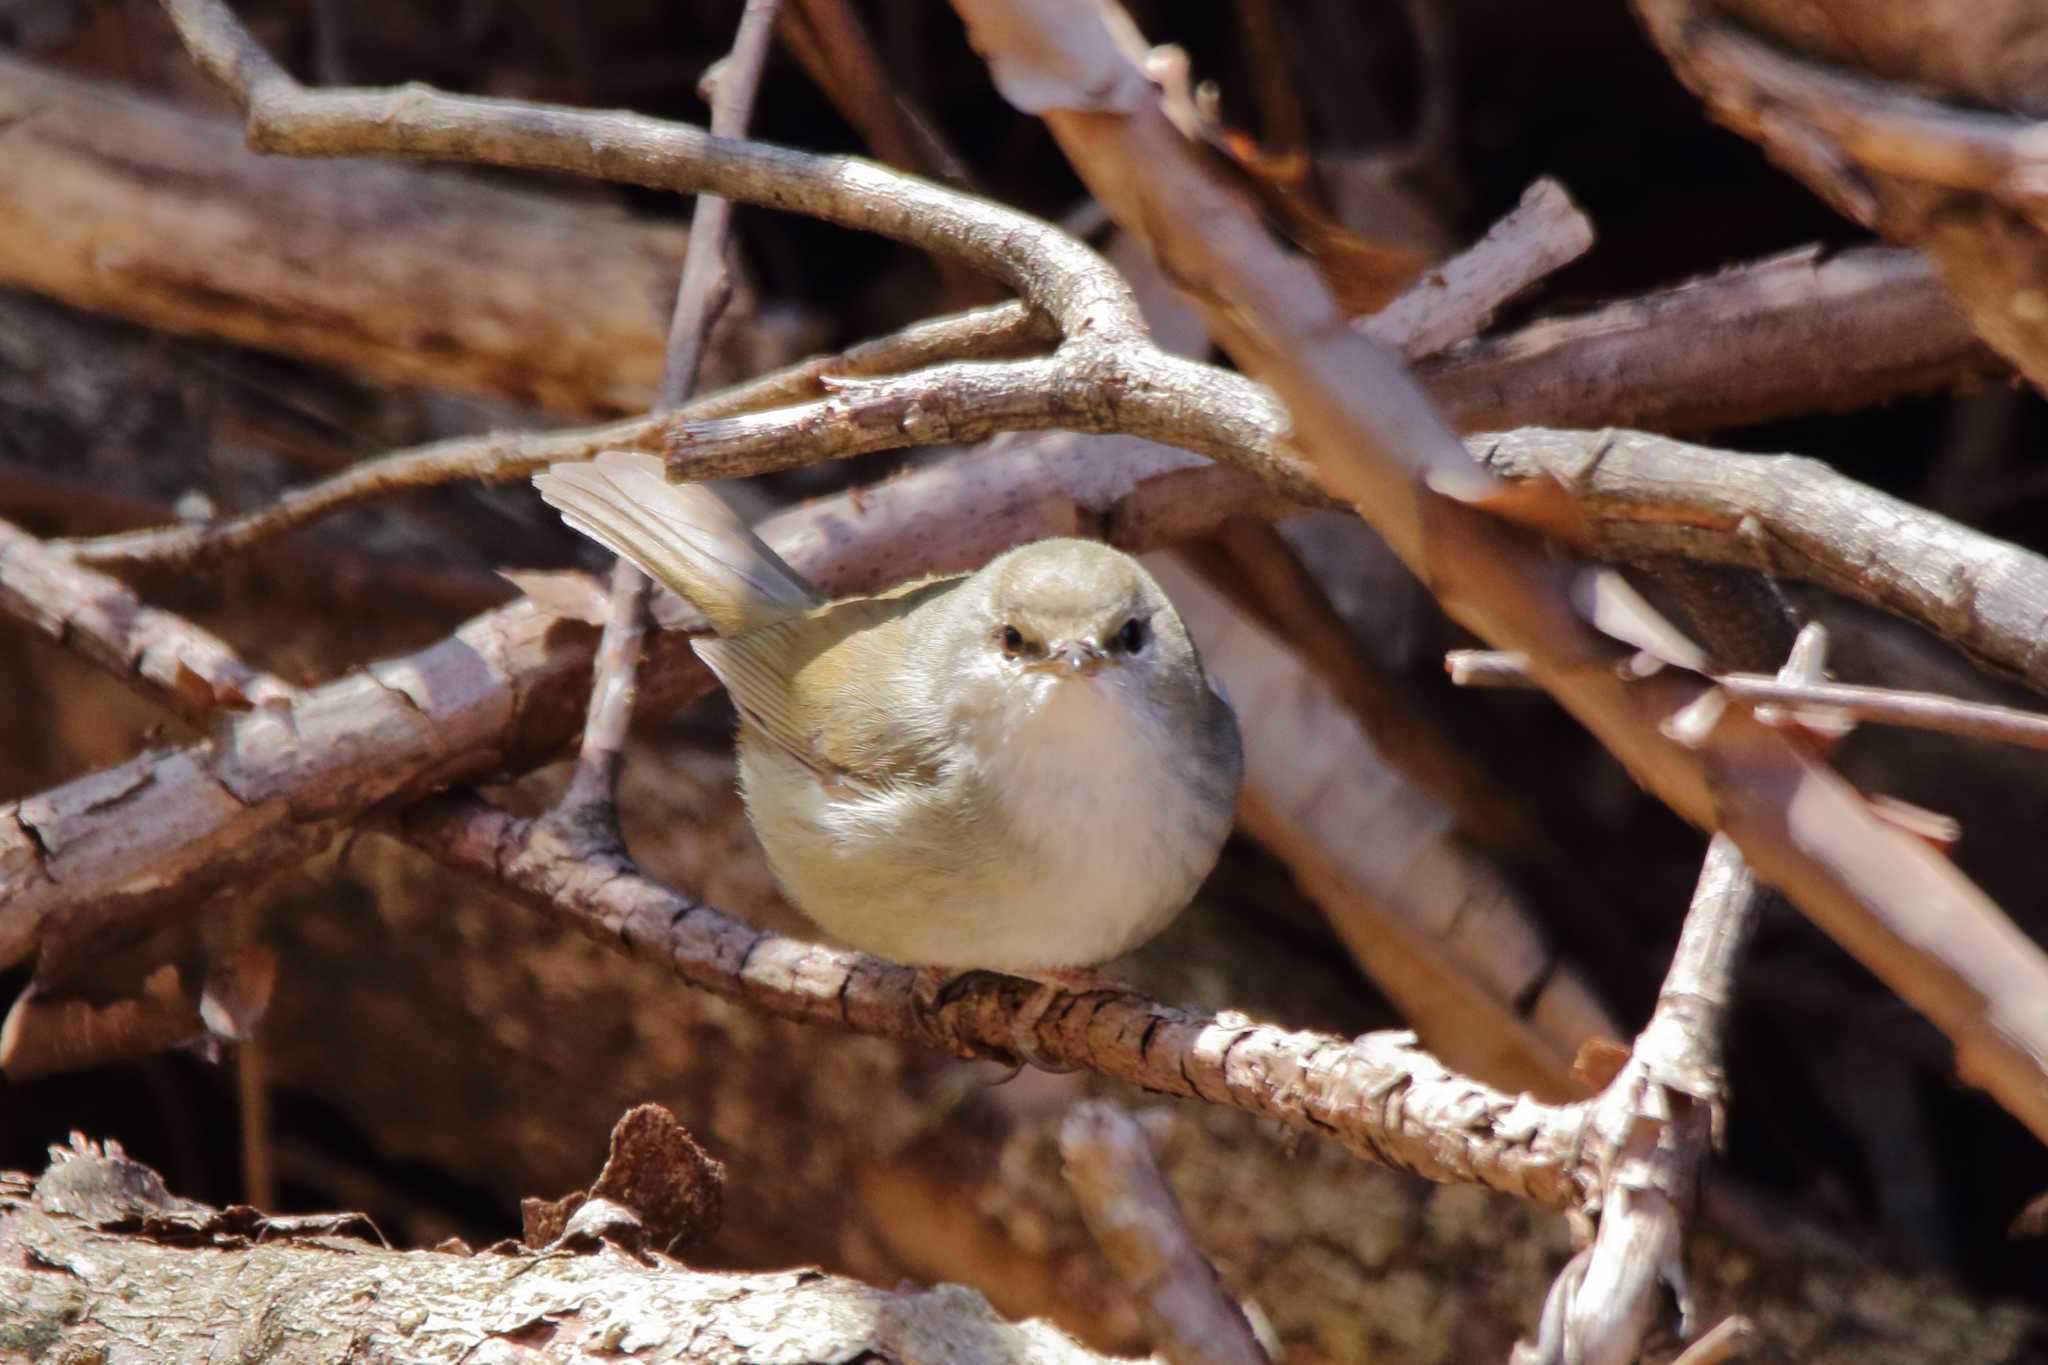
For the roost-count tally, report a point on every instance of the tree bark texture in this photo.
(125, 1272)
(401, 274)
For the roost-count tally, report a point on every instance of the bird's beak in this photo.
(1078, 657)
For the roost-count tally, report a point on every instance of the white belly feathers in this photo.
(1108, 841)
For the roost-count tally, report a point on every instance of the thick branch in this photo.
(1784, 337)
(1885, 128)
(1796, 518)
(402, 274)
(1969, 185)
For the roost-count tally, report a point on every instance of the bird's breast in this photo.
(1102, 799)
(1055, 835)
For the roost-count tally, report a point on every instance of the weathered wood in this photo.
(406, 275)
(78, 1281)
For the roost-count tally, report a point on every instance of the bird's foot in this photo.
(1051, 986)
(929, 986)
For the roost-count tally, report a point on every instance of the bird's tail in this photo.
(681, 534)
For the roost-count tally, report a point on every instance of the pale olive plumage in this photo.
(1024, 768)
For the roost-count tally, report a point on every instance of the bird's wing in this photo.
(682, 534)
(827, 687)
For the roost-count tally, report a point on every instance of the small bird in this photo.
(1024, 769)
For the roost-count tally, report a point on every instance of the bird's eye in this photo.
(1130, 636)
(1012, 640)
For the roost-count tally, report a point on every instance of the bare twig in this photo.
(1138, 1224)
(252, 1103)
(706, 284)
(1001, 330)
(1656, 1122)
(589, 806)
(176, 662)
(1886, 706)
(1731, 1337)
(1883, 705)
(1457, 299)
(589, 803)
(1658, 1119)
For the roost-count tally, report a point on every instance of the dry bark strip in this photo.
(1456, 300)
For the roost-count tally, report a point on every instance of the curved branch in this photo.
(1051, 270)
